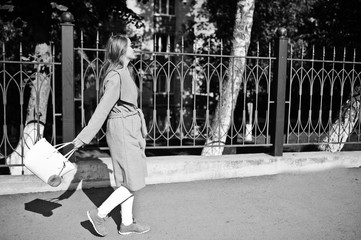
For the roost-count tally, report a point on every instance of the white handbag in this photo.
(47, 163)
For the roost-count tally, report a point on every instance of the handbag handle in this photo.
(62, 145)
(68, 154)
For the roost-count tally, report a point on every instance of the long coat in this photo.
(124, 134)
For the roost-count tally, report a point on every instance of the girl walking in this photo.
(125, 136)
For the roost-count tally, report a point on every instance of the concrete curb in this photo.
(169, 169)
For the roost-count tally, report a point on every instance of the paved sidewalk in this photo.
(317, 205)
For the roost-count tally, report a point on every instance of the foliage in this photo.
(336, 24)
(38, 21)
(293, 15)
(323, 23)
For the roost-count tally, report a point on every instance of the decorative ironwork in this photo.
(179, 92)
(16, 79)
(318, 91)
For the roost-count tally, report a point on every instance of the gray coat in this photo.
(124, 134)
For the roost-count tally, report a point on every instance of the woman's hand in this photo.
(78, 143)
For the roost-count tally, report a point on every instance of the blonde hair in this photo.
(115, 49)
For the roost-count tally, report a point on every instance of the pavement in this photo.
(297, 196)
(322, 205)
(94, 169)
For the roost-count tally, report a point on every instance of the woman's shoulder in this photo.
(112, 78)
(121, 71)
(115, 73)
(112, 74)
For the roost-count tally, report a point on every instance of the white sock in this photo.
(117, 197)
(127, 211)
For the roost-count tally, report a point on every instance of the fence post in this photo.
(280, 92)
(67, 68)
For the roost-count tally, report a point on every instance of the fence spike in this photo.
(97, 41)
(21, 50)
(221, 46)
(354, 55)
(160, 44)
(313, 52)
(154, 43)
(182, 44)
(209, 46)
(168, 44)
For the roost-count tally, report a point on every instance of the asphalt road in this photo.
(319, 206)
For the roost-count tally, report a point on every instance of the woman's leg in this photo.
(119, 196)
(97, 216)
(129, 225)
(127, 211)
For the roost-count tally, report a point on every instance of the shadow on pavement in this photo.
(86, 176)
(88, 226)
(43, 207)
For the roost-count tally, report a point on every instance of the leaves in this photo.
(59, 6)
(322, 22)
(38, 21)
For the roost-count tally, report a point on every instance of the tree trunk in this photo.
(36, 112)
(342, 128)
(228, 98)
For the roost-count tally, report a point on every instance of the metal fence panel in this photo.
(317, 95)
(179, 92)
(17, 78)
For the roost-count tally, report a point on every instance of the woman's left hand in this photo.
(78, 143)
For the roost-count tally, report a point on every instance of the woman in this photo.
(125, 136)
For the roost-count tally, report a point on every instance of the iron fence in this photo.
(20, 87)
(318, 90)
(180, 90)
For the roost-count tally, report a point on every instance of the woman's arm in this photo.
(107, 102)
